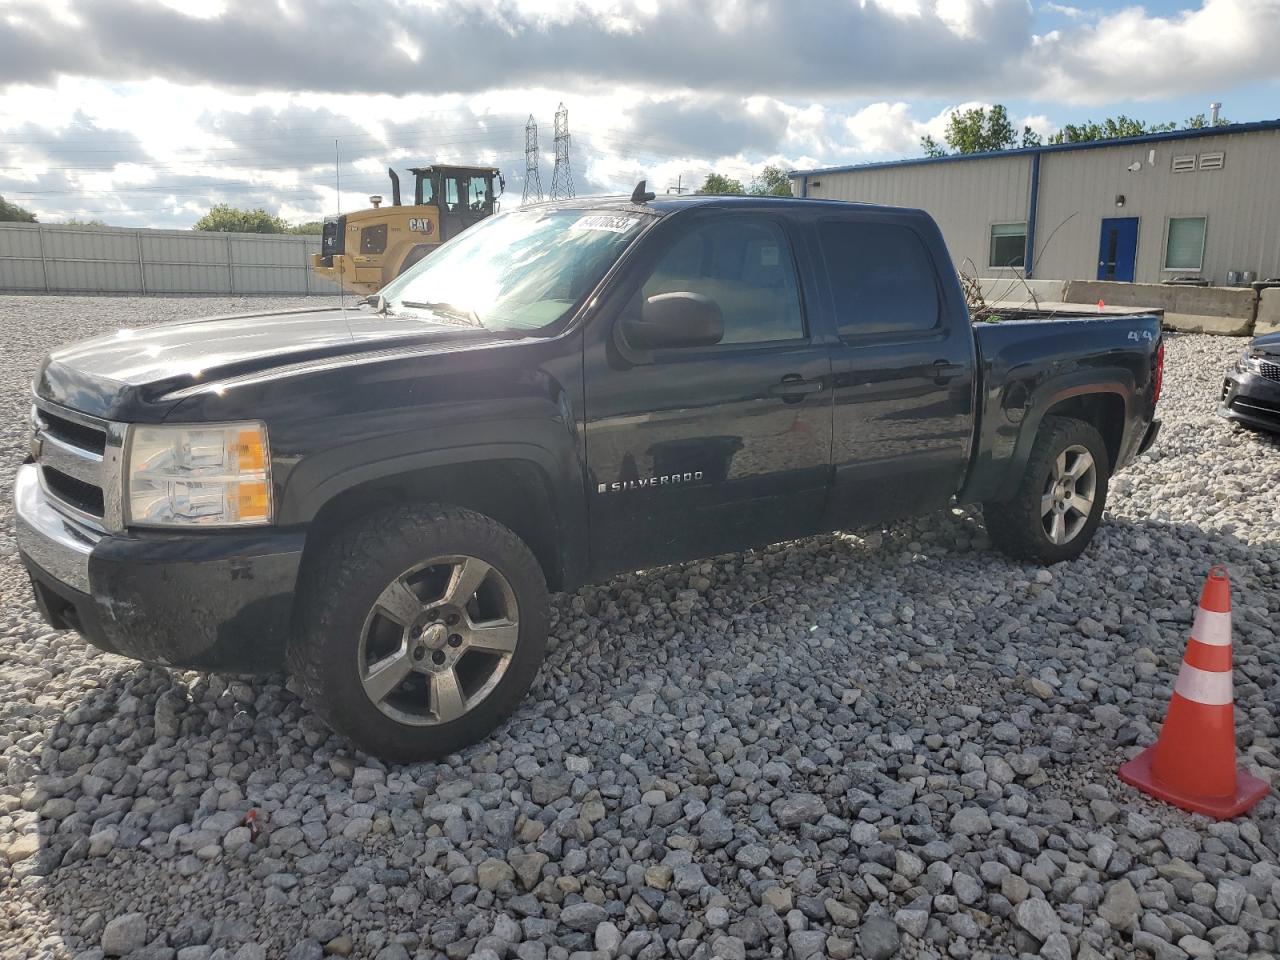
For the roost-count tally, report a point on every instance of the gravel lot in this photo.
(898, 743)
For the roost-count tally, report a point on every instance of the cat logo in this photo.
(422, 225)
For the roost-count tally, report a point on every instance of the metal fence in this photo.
(40, 258)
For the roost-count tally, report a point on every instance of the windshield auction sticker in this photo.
(599, 222)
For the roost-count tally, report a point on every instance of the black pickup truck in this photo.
(381, 497)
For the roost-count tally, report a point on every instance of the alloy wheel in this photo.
(438, 640)
(1069, 491)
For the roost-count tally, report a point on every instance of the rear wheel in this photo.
(420, 630)
(1059, 503)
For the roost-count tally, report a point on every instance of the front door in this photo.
(703, 450)
(453, 205)
(464, 200)
(903, 371)
(1118, 248)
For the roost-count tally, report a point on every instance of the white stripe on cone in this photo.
(1209, 687)
(1212, 628)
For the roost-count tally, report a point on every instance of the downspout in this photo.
(1027, 260)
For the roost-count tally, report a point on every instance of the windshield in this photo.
(515, 271)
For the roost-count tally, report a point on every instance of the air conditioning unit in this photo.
(1184, 164)
(1212, 161)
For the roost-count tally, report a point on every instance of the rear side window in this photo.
(882, 278)
(745, 265)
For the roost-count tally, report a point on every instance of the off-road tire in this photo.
(340, 587)
(1016, 525)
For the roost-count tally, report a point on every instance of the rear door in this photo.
(703, 450)
(904, 367)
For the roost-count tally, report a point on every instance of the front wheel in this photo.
(420, 629)
(1059, 502)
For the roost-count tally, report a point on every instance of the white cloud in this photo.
(1040, 124)
(884, 128)
(155, 108)
(1218, 45)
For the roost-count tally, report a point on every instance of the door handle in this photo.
(793, 388)
(944, 370)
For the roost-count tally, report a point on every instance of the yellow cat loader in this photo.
(365, 250)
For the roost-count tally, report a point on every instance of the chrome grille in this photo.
(1269, 370)
(78, 457)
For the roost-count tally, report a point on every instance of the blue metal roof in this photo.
(1223, 130)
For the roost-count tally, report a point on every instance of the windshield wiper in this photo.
(447, 309)
(375, 300)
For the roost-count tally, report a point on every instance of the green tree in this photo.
(1200, 121)
(12, 213)
(224, 218)
(931, 147)
(771, 182)
(979, 130)
(310, 227)
(76, 222)
(718, 183)
(1112, 128)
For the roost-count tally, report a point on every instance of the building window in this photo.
(1184, 245)
(1008, 244)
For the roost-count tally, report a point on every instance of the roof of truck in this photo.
(670, 203)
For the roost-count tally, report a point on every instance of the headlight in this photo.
(214, 475)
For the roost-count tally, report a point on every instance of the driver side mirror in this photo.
(672, 320)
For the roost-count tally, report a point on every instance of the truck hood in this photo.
(111, 373)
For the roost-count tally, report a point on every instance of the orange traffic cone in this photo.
(1193, 764)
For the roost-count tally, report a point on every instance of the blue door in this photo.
(1118, 248)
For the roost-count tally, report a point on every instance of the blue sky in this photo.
(145, 112)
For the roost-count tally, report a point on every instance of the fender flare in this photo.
(561, 478)
(995, 479)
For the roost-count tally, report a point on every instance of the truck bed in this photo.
(1030, 367)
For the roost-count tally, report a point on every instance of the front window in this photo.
(515, 271)
(742, 263)
(454, 187)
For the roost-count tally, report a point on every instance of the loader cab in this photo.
(463, 195)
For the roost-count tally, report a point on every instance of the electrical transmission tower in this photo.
(532, 179)
(562, 175)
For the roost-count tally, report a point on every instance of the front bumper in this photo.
(209, 600)
(1251, 399)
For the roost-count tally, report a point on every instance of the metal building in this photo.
(1190, 203)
